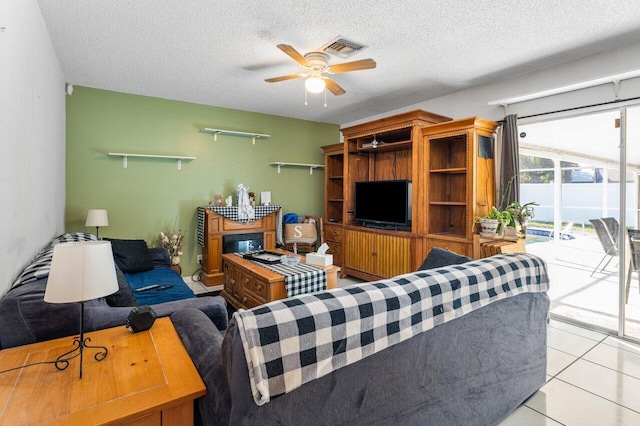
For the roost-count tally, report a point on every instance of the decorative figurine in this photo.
(245, 209)
(218, 200)
(229, 201)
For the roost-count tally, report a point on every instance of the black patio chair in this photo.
(607, 232)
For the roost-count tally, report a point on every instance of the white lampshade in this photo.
(314, 84)
(81, 271)
(97, 218)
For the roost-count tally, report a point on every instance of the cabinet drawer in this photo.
(230, 225)
(335, 249)
(333, 233)
(250, 301)
(232, 283)
(255, 285)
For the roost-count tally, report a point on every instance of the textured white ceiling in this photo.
(219, 52)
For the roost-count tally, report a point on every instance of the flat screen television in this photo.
(383, 203)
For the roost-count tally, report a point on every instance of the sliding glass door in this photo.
(586, 184)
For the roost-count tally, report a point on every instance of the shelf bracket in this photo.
(179, 163)
(279, 165)
(124, 161)
(616, 87)
(253, 140)
(215, 136)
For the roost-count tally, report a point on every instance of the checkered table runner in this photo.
(298, 279)
(232, 213)
(293, 341)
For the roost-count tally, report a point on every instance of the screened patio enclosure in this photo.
(577, 169)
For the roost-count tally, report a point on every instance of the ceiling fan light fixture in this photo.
(314, 84)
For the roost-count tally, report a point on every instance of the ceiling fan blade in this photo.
(334, 87)
(294, 54)
(363, 64)
(283, 78)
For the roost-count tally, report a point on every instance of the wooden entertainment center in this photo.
(450, 164)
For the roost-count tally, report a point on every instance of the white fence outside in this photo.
(580, 201)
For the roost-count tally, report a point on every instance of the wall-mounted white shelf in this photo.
(217, 132)
(310, 166)
(125, 155)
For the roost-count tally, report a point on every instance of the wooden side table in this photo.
(146, 379)
(485, 247)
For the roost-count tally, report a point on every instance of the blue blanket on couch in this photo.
(160, 276)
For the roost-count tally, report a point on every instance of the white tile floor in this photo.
(592, 379)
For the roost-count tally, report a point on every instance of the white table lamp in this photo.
(81, 271)
(97, 218)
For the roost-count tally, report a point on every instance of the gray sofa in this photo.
(471, 370)
(26, 318)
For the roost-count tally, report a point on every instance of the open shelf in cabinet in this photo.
(391, 140)
(448, 187)
(448, 219)
(385, 147)
(334, 182)
(448, 153)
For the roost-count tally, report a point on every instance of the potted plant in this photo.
(521, 214)
(493, 222)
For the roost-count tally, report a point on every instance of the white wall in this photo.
(32, 138)
(474, 101)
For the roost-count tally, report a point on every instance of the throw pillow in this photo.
(439, 257)
(131, 255)
(123, 297)
(160, 257)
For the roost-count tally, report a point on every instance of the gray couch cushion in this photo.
(123, 297)
(203, 342)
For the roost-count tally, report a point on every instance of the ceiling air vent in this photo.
(342, 47)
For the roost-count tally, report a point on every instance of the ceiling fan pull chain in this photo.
(305, 96)
(325, 97)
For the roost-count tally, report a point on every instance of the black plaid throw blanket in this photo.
(232, 213)
(41, 264)
(298, 279)
(293, 341)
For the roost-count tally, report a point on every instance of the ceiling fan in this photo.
(317, 65)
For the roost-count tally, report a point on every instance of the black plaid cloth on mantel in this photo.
(298, 279)
(294, 341)
(230, 212)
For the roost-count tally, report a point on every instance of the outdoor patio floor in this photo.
(576, 295)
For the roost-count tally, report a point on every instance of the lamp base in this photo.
(62, 362)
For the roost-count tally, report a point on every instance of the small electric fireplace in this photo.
(234, 243)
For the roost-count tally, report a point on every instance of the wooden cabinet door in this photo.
(359, 251)
(393, 255)
(383, 255)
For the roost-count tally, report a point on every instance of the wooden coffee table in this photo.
(247, 285)
(147, 378)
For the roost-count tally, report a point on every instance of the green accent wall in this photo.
(151, 194)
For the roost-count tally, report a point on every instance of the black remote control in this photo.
(164, 287)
